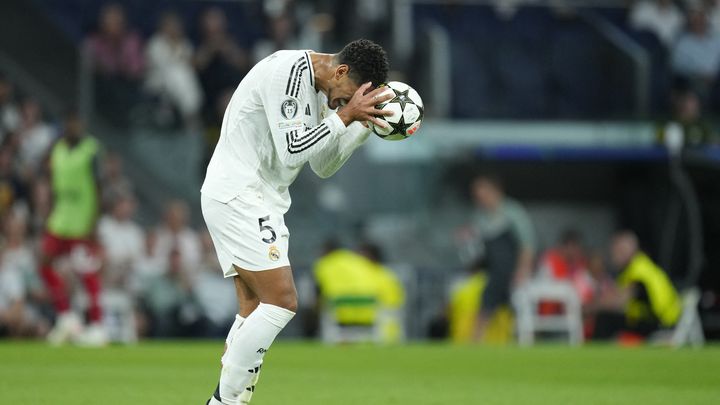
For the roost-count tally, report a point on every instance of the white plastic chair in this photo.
(333, 332)
(529, 321)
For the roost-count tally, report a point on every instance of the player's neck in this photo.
(323, 66)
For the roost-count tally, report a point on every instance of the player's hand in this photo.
(361, 106)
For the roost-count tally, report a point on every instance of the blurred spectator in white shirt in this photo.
(175, 235)
(21, 291)
(9, 116)
(661, 17)
(170, 73)
(123, 242)
(696, 55)
(114, 181)
(214, 295)
(36, 136)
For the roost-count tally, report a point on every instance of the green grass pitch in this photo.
(181, 372)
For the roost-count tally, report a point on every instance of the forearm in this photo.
(299, 146)
(328, 161)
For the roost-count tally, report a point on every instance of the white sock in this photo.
(246, 349)
(239, 320)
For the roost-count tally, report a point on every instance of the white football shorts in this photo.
(246, 234)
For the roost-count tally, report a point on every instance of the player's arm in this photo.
(330, 160)
(294, 145)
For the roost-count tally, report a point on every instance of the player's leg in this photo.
(86, 263)
(68, 325)
(277, 302)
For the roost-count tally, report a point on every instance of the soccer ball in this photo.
(408, 108)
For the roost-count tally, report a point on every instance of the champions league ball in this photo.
(409, 111)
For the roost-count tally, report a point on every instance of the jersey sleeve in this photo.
(328, 161)
(282, 99)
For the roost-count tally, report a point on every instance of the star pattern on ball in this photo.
(401, 97)
(400, 127)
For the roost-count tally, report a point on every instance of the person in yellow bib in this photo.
(391, 294)
(645, 300)
(346, 283)
(70, 229)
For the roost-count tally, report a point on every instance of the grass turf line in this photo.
(181, 372)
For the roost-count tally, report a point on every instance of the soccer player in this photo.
(70, 232)
(280, 117)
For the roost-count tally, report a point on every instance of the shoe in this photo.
(68, 327)
(95, 335)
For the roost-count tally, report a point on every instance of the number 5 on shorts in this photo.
(273, 236)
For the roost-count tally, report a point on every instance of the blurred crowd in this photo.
(170, 81)
(157, 280)
(690, 31)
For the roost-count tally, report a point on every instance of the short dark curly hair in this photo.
(367, 61)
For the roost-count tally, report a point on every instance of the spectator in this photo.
(281, 35)
(347, 286)
(170, 74)
(116, 53)
(174, 235)
(122, 241)
(114, 181)
(661, 17)
(70, 234)
(35, 135)
(567, 262)
(646, 299)
(9, 116)
(212, 130)
(21, 291)
(696, 54)
(40, 204)
(687, 112)
(391, 295)
(464, 309)
(214, 295)
(220, 61)
(507, 234)
(150, 264)
(12, 303)
(169, 301)
(12, 188)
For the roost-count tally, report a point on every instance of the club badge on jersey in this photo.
(274, 253)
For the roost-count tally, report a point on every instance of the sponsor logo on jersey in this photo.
(289, 109)
(274, 253)
(293, 124)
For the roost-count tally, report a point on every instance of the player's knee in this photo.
(286, 299)
(289, 302)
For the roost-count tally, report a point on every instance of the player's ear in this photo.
(341, 70)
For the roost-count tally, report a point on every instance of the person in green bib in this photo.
(645, 300)
(70, 230)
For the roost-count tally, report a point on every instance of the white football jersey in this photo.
(276, 122)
